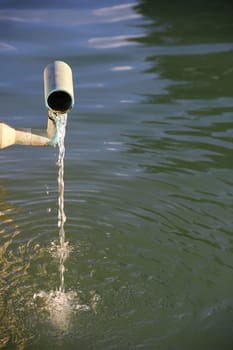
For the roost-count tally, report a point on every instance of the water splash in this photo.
(60, 307)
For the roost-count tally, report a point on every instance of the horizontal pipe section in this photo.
(10, 136)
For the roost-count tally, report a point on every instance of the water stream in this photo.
(61, 129)
(59, 303)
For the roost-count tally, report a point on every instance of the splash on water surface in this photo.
(60, 308)
(55, 250)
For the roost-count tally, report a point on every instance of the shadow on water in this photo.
(193, 68)
(187, 152)
(192, 47)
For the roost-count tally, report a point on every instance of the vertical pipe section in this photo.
(58, 87)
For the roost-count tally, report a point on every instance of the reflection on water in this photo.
(14, 269)
(23, 314)
(147, 177)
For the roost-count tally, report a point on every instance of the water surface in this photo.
(148, 177)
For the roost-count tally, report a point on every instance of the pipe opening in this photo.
(59, 101)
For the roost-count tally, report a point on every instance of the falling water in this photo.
(59, 303)
(60, 120)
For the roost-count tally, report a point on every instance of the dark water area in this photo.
(148, 177)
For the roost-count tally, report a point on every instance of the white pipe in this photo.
(59, 97)
(58, 87)
(11, 136)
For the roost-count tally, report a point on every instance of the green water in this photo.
(148, 177)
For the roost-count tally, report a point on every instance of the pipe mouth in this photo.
(60, 101)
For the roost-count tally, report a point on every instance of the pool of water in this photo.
(148, 177)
